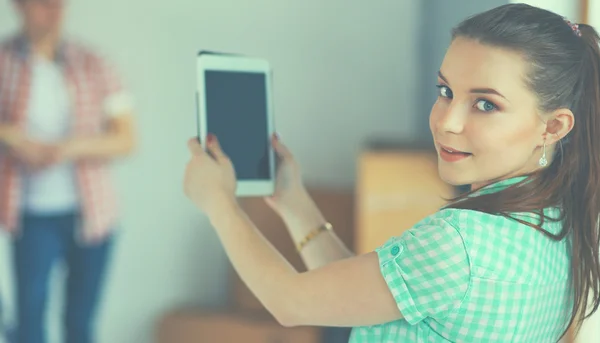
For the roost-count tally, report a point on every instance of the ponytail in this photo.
(582, 216)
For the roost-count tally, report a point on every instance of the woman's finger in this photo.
(214, 147)
(195, 147)
(282, 151)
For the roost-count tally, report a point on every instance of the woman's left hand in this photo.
(209, 180)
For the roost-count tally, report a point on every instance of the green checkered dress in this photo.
(467, 276)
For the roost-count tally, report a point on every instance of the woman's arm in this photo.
(426, 272)
(292, 202)
(350, 292)
(323, 249)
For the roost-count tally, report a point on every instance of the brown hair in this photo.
(564, 72)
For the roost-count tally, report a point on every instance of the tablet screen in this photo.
(236, 112)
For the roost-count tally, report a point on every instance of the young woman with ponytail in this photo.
(513, 260)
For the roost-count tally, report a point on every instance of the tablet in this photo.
(235, 103)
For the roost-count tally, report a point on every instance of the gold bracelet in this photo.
(311, 235)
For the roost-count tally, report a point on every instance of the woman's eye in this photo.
(485, 106)
(444, 91)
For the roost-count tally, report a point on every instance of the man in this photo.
(63, 116)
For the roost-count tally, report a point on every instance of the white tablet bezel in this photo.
(245, 188)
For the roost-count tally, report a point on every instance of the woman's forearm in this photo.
(257, 262)
(322, 249)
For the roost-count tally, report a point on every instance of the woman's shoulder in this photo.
(477, 228)
(497, 243)
(469, 220)
(460, 219)
(483, 231)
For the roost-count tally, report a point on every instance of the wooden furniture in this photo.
(396, 188)
(584, 7)
(193, 326)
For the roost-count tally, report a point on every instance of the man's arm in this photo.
(6, 135)
(7, 138)
(31, 154)
(118, 140)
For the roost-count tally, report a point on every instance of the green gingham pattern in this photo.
(468, 276)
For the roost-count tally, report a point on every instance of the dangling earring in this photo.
(543, 161)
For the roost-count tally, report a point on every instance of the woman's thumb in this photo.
(279, 147)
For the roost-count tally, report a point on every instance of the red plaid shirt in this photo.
(90, 82)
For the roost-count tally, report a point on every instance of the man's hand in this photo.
(65, 151)
(32, 154)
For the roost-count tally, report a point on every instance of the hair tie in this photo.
(574, 27)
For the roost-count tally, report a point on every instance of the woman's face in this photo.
(485, 123)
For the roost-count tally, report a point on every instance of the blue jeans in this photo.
(45, 240)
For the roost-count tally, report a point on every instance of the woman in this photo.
(514, 260)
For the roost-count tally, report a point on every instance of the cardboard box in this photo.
(199, 327)
(395, 190)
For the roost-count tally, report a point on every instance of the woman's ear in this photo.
(559, 125)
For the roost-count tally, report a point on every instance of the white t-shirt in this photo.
(54, 189)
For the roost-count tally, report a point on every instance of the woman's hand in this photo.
(210, 181)
(291, 199)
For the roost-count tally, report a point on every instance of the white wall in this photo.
(338, 63)
(568, 8)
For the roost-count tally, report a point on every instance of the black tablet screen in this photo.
(236, 106)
